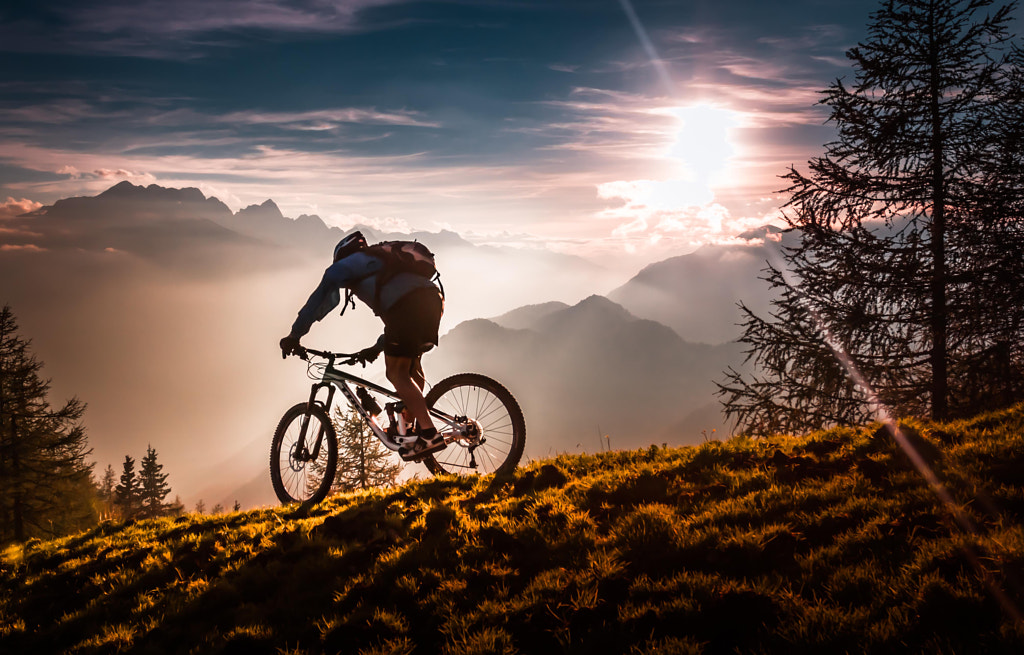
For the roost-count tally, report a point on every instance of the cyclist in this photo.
(410, 306)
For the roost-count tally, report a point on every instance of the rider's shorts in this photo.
(410, 326)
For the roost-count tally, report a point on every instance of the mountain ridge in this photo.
(593, 366)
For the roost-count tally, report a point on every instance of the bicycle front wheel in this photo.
(303, 471)
(496, 429)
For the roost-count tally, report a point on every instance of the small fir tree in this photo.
(154, 485)
(363, 461)
(105, 492)
(129, 492)
(176, 507)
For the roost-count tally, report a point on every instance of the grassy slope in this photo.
(828, 543)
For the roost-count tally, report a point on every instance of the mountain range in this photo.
(593, 375)
(148, 301)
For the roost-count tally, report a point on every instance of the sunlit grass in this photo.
(826, 543)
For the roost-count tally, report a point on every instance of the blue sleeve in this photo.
(327, 295)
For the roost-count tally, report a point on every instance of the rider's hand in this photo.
(368, 355)
(290, 346)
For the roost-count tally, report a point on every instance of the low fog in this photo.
(168, 329)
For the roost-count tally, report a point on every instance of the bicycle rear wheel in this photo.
(497, 431)
(297, 476)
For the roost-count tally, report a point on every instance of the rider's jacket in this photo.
(358, 272)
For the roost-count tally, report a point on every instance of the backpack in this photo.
(403, 257)
(399, 257)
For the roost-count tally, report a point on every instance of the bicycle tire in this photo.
(495, 410)
(298, 481)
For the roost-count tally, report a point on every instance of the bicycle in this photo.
(481, 422)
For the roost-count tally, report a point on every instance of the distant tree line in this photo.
(906, 287)
(137, 495)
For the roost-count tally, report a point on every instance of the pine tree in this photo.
(129, 492)
(363, 462)
(907, 285)
(105, 489)
(105, 492)
(154, 487)
(200, 506)
(45, 484)
(176, 507)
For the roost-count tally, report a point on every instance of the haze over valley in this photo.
(162, 308)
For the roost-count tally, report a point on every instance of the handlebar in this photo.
(347, 359)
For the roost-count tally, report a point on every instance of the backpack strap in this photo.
(347, 301)
(440, 287)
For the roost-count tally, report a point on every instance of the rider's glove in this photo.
(368, 355)
(290, 345)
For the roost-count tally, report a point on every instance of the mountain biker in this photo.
(410, 306)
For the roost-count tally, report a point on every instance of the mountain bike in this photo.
(481, 422)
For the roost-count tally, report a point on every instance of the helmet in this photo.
(351, 243)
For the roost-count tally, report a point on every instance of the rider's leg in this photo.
(416, 372)
(408, 386)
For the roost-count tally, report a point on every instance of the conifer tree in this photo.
(176, 507)
(45, 484)
(363, 462)
(105, 491)
(907, 285)
(129, 492)
(154, 487)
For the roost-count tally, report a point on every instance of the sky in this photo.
(589, 138)
(591, 127)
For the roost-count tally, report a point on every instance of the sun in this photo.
(699, 155)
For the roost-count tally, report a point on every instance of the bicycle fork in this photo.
(301, 452)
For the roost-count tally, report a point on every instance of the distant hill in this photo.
(593, 369)
(830, 543)
(527, 317)
(697, 294)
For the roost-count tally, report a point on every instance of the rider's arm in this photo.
(327, 295)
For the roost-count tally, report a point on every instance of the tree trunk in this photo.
(939, 314)
(17, 510)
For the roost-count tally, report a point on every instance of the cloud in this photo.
(386, 224)
(644, 221)
(159, 29)
(327, 118)
(27, 247)
(122, 174)
(11, 207)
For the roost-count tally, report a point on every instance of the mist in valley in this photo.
(172, 342)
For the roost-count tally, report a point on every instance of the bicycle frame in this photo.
(335, 379)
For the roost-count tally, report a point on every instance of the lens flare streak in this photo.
(882, 414)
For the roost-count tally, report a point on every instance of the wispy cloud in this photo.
(327, 118)
(159, 29)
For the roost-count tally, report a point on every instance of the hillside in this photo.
(826, 543)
